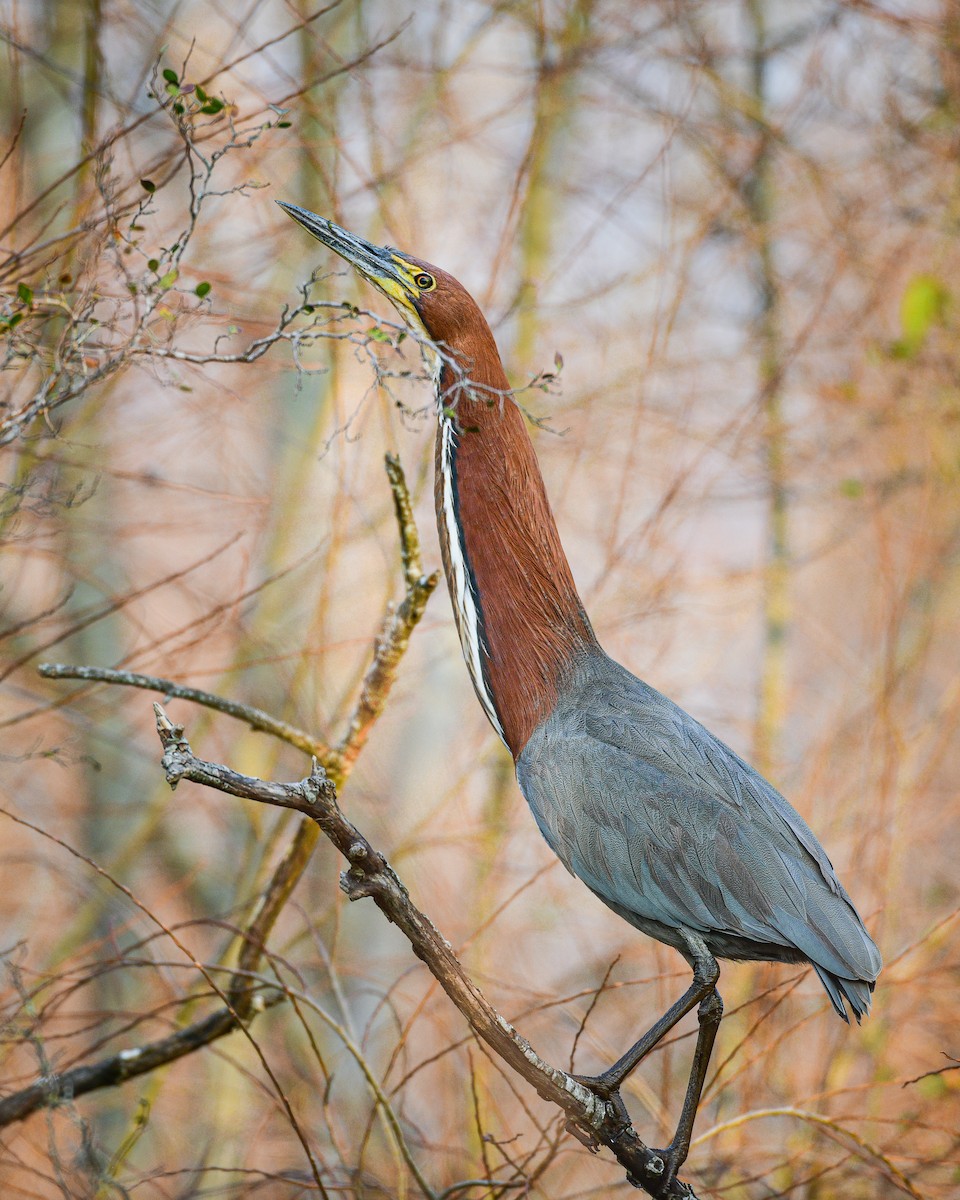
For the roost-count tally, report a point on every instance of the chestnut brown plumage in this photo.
(661, 820)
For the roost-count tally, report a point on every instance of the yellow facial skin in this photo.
(401, 281)
(402, 294)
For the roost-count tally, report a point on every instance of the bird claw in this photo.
(586, 1137)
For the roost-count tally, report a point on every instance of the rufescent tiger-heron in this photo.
(664, 823)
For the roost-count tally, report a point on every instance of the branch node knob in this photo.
(356, 885)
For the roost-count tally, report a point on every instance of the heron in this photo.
(670, 828)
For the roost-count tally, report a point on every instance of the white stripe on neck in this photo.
(464, 598)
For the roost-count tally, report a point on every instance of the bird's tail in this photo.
(856, 992)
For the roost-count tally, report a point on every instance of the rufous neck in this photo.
(521, 622)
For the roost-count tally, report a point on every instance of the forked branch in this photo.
(594, 1121)
(244, 998)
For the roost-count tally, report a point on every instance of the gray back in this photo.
(670, 828)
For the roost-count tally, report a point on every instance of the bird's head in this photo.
(431, 301)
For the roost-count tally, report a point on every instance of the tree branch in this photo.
(397, 628)
(256, 718)
(117, 1068)
(593, 1120)
(243, 999)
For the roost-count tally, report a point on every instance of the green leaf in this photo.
(202, 289)
(171, 76)
(201, 94)
(148, 185)
(212, 106)
(153, 263)
(25, 293)
(379, 335)
(283, 124)
(924, 305)
(179, 109)
(168, 280)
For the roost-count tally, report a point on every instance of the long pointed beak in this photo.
(377, 263)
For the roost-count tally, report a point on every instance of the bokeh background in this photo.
(737, 225)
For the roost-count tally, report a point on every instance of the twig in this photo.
(832, 1128)
(952, 1065)
(370, 875)
(397, 628)
(104, 610)
(256, 718)
(127, 1064)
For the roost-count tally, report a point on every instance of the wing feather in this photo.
(671, 828)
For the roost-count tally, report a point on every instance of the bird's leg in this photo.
(708, 1014)
(706, 972)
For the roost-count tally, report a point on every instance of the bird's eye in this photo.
(424, 281)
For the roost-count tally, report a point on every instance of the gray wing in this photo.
(671, 828)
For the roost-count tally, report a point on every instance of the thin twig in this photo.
(397, 628)
(952, 1065)
(831, 1128)
(256, 718)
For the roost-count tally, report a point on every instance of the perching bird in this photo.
(664, 823)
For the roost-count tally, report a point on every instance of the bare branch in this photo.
(243, 1000)
(397, 628)
(256, 718)
(596, 1122)
(952, 1065)
(127, 1064)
